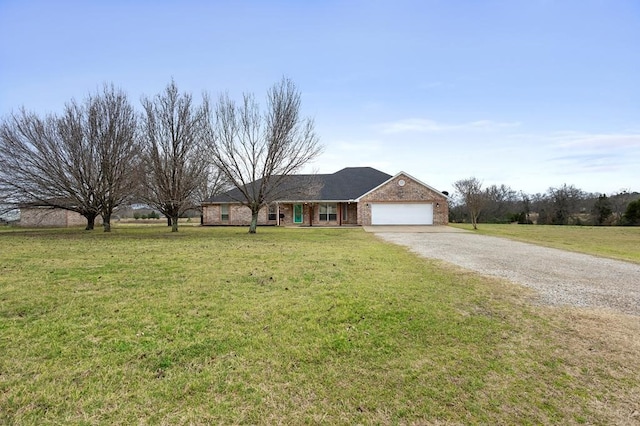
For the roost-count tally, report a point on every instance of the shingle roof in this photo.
(344, 185)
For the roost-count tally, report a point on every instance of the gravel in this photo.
(560, 277)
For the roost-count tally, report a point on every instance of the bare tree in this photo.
(526, 208)
(81, 161)
(564, 203)
(112, 124)
(473, 197)
(501, 204)
(214, 183)
(619, 201)
(101, 133)
(175, 165)
(255, 151)
(41, 163)
(601, 211)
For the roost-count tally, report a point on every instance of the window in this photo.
(328, 212)
(272, 212)
(224, 212)
(345, 212)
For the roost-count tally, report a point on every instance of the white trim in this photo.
(315, 201)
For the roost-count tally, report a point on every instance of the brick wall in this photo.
(52, 217)
(211, 214)
(239, 215)
(357, 213)
(412, 191)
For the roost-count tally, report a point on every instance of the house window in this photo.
(224, 212)
(345, 212)
(272, 212)
(328, 212)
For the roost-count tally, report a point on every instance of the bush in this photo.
(632, 214)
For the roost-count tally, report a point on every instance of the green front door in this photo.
(297, 213)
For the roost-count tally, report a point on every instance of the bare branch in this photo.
(175, 165)
(473, 197)
(256, 152)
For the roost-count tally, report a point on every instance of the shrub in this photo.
(632, 214)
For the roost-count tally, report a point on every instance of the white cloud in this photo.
(597, 153)
(490, 125)
(528, 161)
(411, 125)
(421, 125)
(598, 141)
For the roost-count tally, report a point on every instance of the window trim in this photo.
(272, 212)
(330, 214)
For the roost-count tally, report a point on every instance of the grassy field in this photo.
(616, 242)
(290, 326)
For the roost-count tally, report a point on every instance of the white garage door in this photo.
(402, 214)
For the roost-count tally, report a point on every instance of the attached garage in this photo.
(402, 213)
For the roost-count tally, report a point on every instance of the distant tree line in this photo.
(100, 154)
(563, 205)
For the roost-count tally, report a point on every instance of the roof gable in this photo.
(407, 175)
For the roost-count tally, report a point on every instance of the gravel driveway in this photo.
(560, 277)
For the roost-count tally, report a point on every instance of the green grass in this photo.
(616, 242)
(317, 326)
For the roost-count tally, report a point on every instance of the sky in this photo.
(532, 94)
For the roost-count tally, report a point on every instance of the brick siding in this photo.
(411, 192)
(357, 213)
(52, 217)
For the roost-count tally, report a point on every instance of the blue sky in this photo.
(531, 94)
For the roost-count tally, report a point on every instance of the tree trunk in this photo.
(174, 224)
(91, 221)
(169, 221)
(254, 222)
(106, 222)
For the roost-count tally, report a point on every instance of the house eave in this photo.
(209, 203)
(313, 201)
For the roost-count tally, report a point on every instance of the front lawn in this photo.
(616, 242)
(290, 326)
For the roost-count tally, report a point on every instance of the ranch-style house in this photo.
(354, 196)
